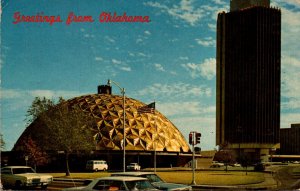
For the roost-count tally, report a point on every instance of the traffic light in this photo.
(191, 139)
(197, 150)
(198, 135)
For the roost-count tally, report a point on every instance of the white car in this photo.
(236, 165)
(155, 180)
(23, 176)
(133, 166)
(96, 165)
(117, 183)
(216, 164)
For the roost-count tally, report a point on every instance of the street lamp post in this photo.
(124, 133)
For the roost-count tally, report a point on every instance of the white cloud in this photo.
(220, 2)
(173, 72)
(139, 40)
(115, 61)
(109, 39)
(159, 67)
(185, 108)
(175, 91)
(207, 69)
(290, 27)
(205, 125)
(217, 10)
(290, 61)
(173, 40)
(147, 32)
(295, 3)
(120, 65)
(19, 99)
(291, 82)
(179, 108)
(289, 118)
(88, 36)
(183, 58)
(98, 58)
(141, 54)
(207, 42)
(53, 94)
(10, 94)
(125, 68)
(212, 27)
(185, 11)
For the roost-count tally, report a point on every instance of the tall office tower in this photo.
(248, 78)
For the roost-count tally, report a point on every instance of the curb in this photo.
(273, 187)
(82, 181)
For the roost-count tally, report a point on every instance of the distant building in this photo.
(290, 140)
(248, 78)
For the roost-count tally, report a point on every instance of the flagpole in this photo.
(155, 142)
(151, 109)
(124, 132)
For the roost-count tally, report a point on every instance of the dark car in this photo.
(155, 180)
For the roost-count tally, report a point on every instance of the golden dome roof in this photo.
(144, 131)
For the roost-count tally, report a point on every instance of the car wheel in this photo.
(44, 187)
(18, 185)
(104, 169)
(96, 169)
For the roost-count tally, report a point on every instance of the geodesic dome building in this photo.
(144, 132)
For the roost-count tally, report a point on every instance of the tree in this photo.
(2, 143)
(243, 159)
(38, 106)
(62, 127)
(225, 156)
(36, 156)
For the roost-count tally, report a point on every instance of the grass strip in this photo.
(184, 177)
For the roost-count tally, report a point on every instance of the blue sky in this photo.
(170, 60)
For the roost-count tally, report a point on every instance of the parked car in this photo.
(235, 165)
(133, 166)
(216, 164)
(117, 183)
(96, 165)
(259, 167)
(155, 180)
(23, 176)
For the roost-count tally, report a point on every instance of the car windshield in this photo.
(22, 170)
(139, 185)
(153, 178)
